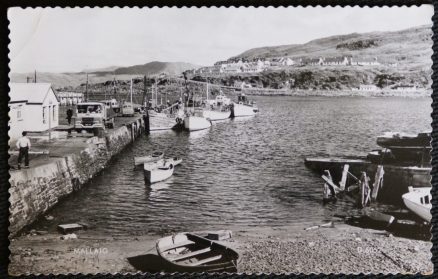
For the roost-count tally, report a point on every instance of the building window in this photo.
(19, 113)
(53, 110)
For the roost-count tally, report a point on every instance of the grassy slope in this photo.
(409, 46)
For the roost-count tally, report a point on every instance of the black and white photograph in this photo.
(220, 139)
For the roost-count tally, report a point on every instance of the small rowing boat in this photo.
(418, 200)
(146, 159)
(158, 172)
(175, 161)
(187, 252)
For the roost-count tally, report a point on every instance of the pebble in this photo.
(69, 236)
(358, 239)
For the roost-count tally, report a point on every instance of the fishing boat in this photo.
(146, 159)
(154, 173)
(187, 252)
(418, 200)
(160, 121)
(407, 147)
(243, 107)
(216, 114)
(195, 121)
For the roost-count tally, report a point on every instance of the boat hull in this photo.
(157, 174)
(214, 115)
(148, 159)
(186, 252)
(161, 121)
(413, 203)
(196, 123)
(240, 110)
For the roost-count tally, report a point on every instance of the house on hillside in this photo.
(312, 61)
(405, 88)
(233, 68)
(33, 107)
(336, 61)
(365, 61)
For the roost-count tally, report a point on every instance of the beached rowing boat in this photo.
(187, 252)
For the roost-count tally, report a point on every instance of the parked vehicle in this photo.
(113, 104)
(93, 115)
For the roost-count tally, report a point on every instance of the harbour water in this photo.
(240, 172)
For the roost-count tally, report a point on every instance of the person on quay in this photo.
(69, 115)
(23, 146)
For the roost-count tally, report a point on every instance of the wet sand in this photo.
(340, 249)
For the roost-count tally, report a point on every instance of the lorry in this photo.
(128, 109)
(93, 115)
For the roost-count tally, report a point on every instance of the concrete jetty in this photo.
(70, 161)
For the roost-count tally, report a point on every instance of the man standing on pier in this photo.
(23, 145)
(69, 115)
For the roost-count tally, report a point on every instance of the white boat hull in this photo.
(147, 159)
(413, 202)
(159, 174)
(239, 110)
(196, 123)
(161, 121)
(214, 115)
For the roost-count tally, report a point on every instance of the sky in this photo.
(76, 39)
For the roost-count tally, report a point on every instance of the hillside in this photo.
(408, 51)
(102, 75)
(411, 46)
(156, 67)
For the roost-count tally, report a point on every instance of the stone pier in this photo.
(35, 190)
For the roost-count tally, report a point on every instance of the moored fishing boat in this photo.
(418, 200)
(187, 252)
(216, 115)
(407, 147)
(146, 159)
(154, 173)
(159, 121)
(243, 107)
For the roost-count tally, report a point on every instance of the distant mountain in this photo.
(411, 46)
(155, 67)
(101, 70)
(104, 74)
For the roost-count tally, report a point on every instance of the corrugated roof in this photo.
(30, 92)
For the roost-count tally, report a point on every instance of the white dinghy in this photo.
(160, 173)
(147, 159)
(418, 200)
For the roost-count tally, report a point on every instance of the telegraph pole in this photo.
(35, 80)
(86, 90)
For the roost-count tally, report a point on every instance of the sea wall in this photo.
(35, 190)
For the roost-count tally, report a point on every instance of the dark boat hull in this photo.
(208, 256)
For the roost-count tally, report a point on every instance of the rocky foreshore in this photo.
(338, 249)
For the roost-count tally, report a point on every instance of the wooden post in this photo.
(329, 186)
(344, 177)
(364, 190)
(378, 182)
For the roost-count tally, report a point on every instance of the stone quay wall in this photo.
(35, 190)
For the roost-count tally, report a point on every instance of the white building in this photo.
(366, 87)
(69, 98)
(33, 107)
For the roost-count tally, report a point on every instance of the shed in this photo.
(33, 107)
